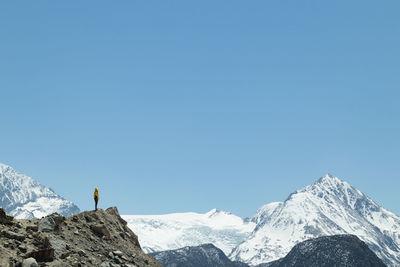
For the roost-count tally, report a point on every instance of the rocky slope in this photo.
(329, 251)
(206, 255)
(172, 231)
(329, 206)
(24, 198)
(91, 238)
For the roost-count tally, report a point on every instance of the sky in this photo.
(176, 106)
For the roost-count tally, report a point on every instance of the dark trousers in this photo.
(95, 203)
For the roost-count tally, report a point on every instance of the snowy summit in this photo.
(25, 198)
(329, 206)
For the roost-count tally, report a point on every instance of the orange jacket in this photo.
(96, 193)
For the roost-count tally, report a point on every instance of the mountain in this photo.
(90, 238)
(327, 251)
(23, 197)
(329, 206)
(177, 230)
(206, 255)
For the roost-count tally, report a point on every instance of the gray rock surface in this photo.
(29, 262)
(50, 222)
(206, 255)
(328, 251)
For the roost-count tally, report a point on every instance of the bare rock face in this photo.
(4, 218)
(90, 238)
(327, 251)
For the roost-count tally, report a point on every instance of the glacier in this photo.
(176, 230)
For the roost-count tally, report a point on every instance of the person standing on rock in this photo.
(96, 197)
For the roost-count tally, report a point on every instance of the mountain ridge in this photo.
(25, 198)
(327, 207)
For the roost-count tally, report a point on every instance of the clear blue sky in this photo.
(171, 106)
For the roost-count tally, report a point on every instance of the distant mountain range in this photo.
(24, 198)
(327, 251)
(330, 206)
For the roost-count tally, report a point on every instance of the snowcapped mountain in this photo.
(329, 206)
(177, 230)
(24, 198)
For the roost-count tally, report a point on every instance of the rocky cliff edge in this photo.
(90, 238)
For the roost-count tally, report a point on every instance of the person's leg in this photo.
(95, 205)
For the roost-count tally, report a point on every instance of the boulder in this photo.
(50, 222)
(12, 235)
(4, 218)
(43, 254)
(117, 253)
(101, 230)
(59, 245)
(29, 262)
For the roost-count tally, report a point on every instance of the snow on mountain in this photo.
(329, 206)
(24, 198)
(177, 230)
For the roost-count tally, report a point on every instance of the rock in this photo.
(60, 247)
(76, 232)
(32, 228)
(117, 253)
(105, 264)
(29, 262)
(22, 248)
(43, 254)
(82, 253)
(12, 235)
(65, 255)
(56, 263)
(4, 218)
(50, 222)
(101, 230)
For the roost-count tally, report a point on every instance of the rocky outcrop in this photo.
(4, 218)
(91, 238)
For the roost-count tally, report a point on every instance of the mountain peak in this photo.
(329, 178)
(329, 182)
(213, 212)
(3, 166)
(329, 206)
(24, 197)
